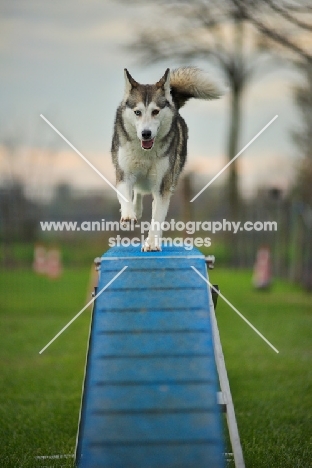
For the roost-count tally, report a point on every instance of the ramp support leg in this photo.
(225, 389)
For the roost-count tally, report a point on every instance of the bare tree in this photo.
(303, 136)
(280, 21)
(301, 265)
(203, 32)
(236, 35)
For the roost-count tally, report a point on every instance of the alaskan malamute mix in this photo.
(149, 142)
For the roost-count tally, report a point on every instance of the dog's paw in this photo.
(150, 245)
(125, 220)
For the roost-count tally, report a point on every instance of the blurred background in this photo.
(65, 60)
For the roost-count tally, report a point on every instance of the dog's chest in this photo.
(145, 167)
(132, 159)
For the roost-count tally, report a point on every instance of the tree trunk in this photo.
(187, 214)
(235, 126)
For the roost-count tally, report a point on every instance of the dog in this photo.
(149, 145)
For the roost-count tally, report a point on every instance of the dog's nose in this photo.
(146, 134)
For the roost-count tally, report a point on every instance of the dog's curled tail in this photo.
(192, 82)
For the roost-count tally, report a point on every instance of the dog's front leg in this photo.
(159, 212)
(125, 189)
(138, 204)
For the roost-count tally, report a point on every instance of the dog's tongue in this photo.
(147, 144)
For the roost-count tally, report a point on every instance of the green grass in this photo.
(75, 250)
(272, 392)
(40, 394)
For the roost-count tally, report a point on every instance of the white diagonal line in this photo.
(82, 310)
(235, 157)
(83, 157)
(235, 310)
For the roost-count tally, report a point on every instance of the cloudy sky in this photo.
(65, 60)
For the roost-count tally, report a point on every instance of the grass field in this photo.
(40, 394)
(272, 392)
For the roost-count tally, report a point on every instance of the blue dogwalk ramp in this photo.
(150, 389)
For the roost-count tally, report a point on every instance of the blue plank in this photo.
(151, 300)
(157, 396)
(171, 425)
(132, 320)
(150, 387)
(138, 344)
(129, 369)
(175, 455)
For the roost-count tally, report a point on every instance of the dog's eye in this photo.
(138, 113)
(155, 112)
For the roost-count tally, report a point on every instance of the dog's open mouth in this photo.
(147, 144)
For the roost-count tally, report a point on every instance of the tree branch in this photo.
(275, 36)
(284, 13)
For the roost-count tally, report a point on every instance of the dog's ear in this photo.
(129, 82)
(164, 82)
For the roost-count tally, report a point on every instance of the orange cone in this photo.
(40, 263)
(54, 264)
(262, 276)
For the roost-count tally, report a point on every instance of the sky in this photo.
(65, 60)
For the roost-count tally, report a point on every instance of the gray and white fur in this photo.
(149, 144)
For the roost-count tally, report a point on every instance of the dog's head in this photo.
(147, 106)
